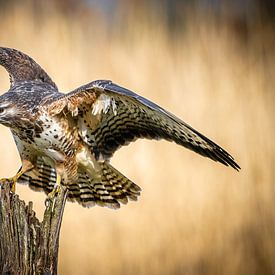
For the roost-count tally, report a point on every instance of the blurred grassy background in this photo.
(213, 68)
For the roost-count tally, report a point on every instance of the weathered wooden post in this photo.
(28, 246)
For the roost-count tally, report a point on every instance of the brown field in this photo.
(194, 216)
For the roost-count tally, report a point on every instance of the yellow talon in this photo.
(12, 181)
(56, 188)
(26, 166)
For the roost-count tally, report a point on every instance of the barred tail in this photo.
(40, 178)
(109, 188)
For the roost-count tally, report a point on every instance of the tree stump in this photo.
(28, 246)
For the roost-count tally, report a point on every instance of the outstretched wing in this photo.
(21, 67)
(109, 116)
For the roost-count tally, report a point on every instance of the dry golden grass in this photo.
(194, 216)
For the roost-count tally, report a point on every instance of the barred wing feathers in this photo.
(110, 116)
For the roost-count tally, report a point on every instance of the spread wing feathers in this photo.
(110, 116)
(21, 67)
(112, 189)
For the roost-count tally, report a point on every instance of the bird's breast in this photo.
(57, 138)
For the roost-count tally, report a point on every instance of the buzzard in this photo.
(69, 139)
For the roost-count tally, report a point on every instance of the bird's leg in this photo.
(56, 187)
(26, 166)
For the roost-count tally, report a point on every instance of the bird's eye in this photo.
(2, 110)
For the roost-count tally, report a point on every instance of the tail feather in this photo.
(110, 189)
(41, 178)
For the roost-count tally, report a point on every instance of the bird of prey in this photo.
(69, 139)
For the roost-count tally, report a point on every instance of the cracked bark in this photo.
(28, 246)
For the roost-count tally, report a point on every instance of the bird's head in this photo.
(28, 85)
(11, 113)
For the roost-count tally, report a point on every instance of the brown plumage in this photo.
(69, 138)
